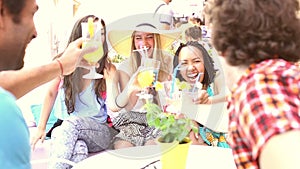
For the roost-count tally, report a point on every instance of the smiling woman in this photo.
(195, 59)
(198, 67)
(139, 35)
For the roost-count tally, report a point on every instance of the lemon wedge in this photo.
(91, 27)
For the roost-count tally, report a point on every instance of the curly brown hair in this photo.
(73, 82)
(249, 31)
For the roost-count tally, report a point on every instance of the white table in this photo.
(203, 157)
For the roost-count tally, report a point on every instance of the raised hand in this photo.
(201, 97)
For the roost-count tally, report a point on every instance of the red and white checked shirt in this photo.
(265, 102)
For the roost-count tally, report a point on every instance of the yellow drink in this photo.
(145, 78)
(92, 38)
(93, 57)
(91, 34)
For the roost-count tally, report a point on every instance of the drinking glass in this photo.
(91, 35)
(148, 76)
(152, 65)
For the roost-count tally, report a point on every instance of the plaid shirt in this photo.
(265, 102)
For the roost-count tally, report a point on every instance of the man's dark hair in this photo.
(254, 30)
(14, 7)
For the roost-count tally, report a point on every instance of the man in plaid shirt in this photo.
(261, 38)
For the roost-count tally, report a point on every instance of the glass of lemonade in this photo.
(152, 65)
(148, 76)
(91, 34)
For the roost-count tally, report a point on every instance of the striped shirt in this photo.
(265, 102)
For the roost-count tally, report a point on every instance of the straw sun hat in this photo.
(119, 33)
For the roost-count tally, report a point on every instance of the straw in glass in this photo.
(142, 49)
(173, 79)
(197, 81)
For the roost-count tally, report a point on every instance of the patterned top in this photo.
(265, 102)
(209, 136)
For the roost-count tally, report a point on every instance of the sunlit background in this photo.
(54, 21)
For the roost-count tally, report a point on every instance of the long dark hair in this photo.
(209, 71)
(73, 82)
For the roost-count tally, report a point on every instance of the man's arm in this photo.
(281, 151)
(22, 81)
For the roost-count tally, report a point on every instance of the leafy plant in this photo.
(172, 128)
(117, 58)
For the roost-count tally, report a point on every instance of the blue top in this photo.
(209, 91)
(86, 105)
(14, 142)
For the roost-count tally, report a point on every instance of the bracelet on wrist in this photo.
(118, 104)
(61, 67)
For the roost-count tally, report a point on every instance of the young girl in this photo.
(82, 108)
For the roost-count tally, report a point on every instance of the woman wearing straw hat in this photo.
(131, 121)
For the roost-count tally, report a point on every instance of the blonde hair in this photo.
(158, 54)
